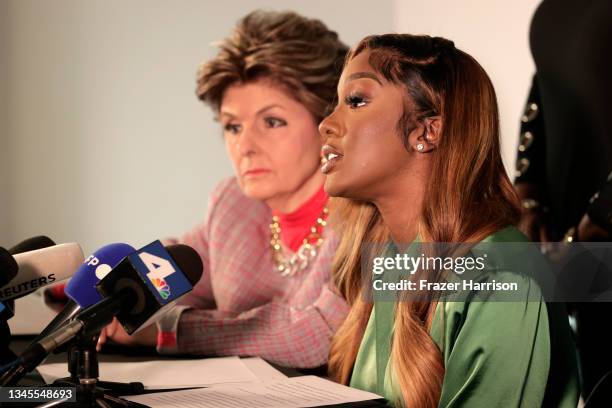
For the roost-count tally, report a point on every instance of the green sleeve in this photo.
(497, 354)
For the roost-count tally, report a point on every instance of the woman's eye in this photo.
(231, 128)
(355, 101)
(274, 122)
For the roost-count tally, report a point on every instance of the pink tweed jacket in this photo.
(242, 306)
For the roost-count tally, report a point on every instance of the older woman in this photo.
(264, 242)
(414, 144)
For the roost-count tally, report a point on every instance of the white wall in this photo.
(4, 154)
(496, 33)
(106, 140)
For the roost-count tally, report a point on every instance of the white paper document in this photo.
(262, 369)
(296, 392)
(168, 373)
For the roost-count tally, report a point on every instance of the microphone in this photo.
(137, 291)
(42, 267)
(8, 271)
(144, 282)
(8, 267)
(81, 288)
(32, 244)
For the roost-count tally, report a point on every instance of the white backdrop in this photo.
(496, 33)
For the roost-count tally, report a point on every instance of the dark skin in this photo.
(373, 164)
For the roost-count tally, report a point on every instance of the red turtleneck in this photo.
(296, 226)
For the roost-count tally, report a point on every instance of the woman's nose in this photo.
(247, 144)
(329, 127)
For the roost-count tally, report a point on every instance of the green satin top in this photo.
(496, 354)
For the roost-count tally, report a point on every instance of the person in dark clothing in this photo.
(564, 162)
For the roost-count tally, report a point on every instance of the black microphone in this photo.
(150, 279)
(8, 267)
(143, 286)
(8, 271)
(32, 244)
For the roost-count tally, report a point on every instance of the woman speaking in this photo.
(413, 147)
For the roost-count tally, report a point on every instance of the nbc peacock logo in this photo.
(159, 270)
(162, 287)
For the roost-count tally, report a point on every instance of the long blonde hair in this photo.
(468, 197)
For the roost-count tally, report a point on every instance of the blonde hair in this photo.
(298, 53)
(469, 196)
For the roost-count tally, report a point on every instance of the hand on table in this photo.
(117, 334)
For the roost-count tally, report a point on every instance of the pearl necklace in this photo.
(305, 253)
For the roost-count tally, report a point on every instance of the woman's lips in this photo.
(331, 157)
(255, 173)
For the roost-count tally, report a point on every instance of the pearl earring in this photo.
(420, 147)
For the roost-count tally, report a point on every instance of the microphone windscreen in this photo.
(8, 267)
(42, 267)
(32, 244)
(82, 286)
(189, 261)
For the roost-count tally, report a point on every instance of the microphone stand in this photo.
(84, 372)
(81, 336)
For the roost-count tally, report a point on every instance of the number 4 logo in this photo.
(159, 268)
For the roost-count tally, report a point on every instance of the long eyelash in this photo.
(350, 100)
